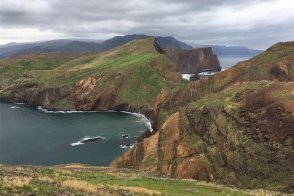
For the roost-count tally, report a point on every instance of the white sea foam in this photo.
(84, 139)
(187, 76)
(208, 73)
(63, 111)
(124, 146)
(20, 103)
(142, 118)
(14, 107)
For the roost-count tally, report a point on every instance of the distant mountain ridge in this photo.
(79, 46)
(76, 46)
(234, 50)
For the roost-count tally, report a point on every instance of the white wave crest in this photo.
(142, 118)
(40, 108)
(187, 76)
(19, 103)
(124, 146)
(207, 73)
(85, 139)
(14, 107)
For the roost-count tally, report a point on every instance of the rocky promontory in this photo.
(194, 60)
(235, 127)
(133, 77)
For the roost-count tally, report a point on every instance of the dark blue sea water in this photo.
(29, 136)
(228, 61)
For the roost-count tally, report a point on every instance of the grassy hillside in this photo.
(248, 128)
(235, 127)
(83, 180)
(133, 74)
(18, 69)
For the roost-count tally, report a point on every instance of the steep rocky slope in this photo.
(236, 127)
(137, 76)
(194, 60)
(133, 77)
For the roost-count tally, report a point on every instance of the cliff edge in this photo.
(194, 60)
(236, 127)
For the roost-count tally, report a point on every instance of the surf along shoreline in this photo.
(142, 118)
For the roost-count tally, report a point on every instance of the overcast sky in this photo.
(254, 23)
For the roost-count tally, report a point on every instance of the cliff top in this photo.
(281, 45)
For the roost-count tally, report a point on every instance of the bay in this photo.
(30, 136)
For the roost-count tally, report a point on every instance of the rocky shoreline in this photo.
(234, 127)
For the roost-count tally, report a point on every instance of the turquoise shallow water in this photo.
(29, 136)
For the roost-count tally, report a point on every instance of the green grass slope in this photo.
(235, 127)
(133, 74)
(84, 180)
(12, 70)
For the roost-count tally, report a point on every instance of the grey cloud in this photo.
(191, 21)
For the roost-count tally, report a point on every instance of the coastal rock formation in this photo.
(194, 60)
(241, 136)
(135, 77)
(235, 127)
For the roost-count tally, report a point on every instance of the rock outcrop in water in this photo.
(235, 127)
(194, 60)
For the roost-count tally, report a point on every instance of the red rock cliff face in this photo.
(235, 127)
(193, 61)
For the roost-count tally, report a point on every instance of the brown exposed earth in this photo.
(235, 127)
(194, 61)
(238, 127)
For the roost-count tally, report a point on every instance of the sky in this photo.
(254, 23)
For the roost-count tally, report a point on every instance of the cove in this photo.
(31, 136)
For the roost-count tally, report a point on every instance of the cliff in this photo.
(236, 127)
(194, 60)
(132, 77)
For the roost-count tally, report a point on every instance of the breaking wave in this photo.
(62, 111)
(142, 118)
(187, 76)
(124, 146)
(87, 139)
(14, 107)
(19, 103)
